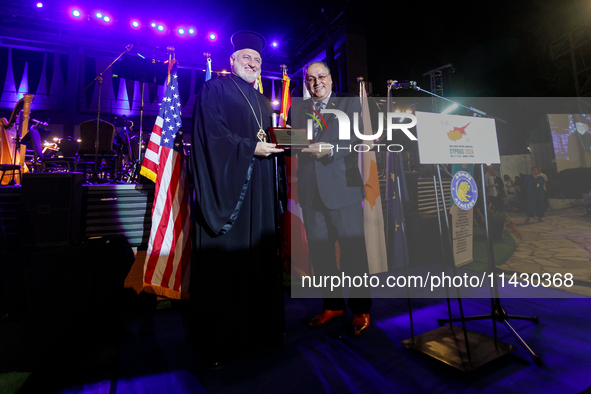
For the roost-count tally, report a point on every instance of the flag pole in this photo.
(361, 87)
(392, 161)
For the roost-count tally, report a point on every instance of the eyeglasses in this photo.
(320, 78)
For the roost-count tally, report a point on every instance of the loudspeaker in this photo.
(50, 209)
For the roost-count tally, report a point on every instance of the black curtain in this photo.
(89, 75)
(49, 65)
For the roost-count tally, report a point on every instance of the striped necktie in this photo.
(317, 107)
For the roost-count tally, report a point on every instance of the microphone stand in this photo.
(17, 145)
(99, 78)
(137, 161)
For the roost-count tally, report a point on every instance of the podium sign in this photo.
(462, 233)
(455, 139)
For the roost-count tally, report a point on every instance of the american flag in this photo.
(167, 265)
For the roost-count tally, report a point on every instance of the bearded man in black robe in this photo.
(236, 295)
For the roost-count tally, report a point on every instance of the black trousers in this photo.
(323, 228)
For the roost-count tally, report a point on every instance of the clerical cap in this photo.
(580, 119)
(246, 39)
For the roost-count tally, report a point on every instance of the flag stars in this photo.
(167, 119)
(166, 140)
(178, 124)
(171, 88)
(176, 96)
(170, 128)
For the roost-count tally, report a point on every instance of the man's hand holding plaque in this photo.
(319, 149)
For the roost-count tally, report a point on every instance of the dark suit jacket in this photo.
(337, 178)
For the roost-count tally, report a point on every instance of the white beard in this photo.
(241, 72)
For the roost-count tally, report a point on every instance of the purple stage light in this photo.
(76, 13)
(191, 31)
(153, 24)
(135, 24)
(106, 18)
(274, 45)
(181, 31)
(39, 5)
(99, 15)
(160, 28)
(212, 36)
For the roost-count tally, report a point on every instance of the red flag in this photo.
(285, 101)
(166, 269)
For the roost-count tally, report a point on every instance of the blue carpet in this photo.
(155, 355)
(149, 353)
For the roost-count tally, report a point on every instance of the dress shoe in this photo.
(360, 323)
(325, 317)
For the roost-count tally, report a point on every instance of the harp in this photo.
(10, 153)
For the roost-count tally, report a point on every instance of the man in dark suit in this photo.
(330, 191)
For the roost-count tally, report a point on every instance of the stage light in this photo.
(212, 36)
(274, 44)
(153, 24)
(275, 102)
(99, 15)
(160, 28)
(76, 13)
(39, 5)
(449, 109)
(181, 31)
(135, 24)
(191, 31)
(106, 18)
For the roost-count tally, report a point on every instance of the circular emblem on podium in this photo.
(463, 190)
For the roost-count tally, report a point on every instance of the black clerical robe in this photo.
(236, 295)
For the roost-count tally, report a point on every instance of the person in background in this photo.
(501, 195)
(534, 185)
(491, 188)
(546, 202)
(509, 186)
(579, 143)
(511, 192)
